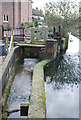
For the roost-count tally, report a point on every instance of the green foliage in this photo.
(29, 24)
(26, 24)
(63, 13)
(36, 23)
(37, 12)
(50, 29)
(8, 27)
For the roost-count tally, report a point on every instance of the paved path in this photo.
(2, 58)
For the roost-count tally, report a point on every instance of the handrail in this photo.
(11, 43)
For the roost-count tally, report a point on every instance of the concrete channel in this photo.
(37, 102)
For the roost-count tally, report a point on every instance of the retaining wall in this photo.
(6, 68)
(37, 107)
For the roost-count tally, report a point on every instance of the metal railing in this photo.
(28, 34)
(18, 33)
(36, 34)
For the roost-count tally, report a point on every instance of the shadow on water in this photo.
(62, 79)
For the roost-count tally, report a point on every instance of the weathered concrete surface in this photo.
(37, 107)
(30, 45)
(6, 67)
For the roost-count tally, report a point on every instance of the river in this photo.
(21, 87)
(62, 80)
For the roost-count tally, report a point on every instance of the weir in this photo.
(33, 103)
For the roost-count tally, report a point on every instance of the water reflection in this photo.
(62, 84)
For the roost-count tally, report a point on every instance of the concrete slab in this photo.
(37, 107)
(30, 45)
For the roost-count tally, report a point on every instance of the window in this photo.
(5, 18)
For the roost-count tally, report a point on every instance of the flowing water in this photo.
(21, 87)
(62, 80)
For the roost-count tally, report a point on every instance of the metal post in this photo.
(53, 32)
(59, 29)
(2, 32)
(7, 43)
(45, 34)
(12, 38)
(23, 34)
(32, 34)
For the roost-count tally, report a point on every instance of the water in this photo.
(62, 83)
(21, 87)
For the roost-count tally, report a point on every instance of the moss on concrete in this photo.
(7, 91)
(4, 116)
(8, 88)
(37, 106)
(64, 44)
(11, 111)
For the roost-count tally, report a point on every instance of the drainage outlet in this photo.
(24, 109)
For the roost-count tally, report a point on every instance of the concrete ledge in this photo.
(37, 107)
(30, 45)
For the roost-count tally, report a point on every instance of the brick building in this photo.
(15, 12)
(80, 20)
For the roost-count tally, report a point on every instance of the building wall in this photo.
(22, 12)
(7, 9)
(0, 20)
(26, 11)
(30, 11)
(80, 20)
(0, 13)
(16, 15)
(19, 12)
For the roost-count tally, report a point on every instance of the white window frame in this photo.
(5, 18)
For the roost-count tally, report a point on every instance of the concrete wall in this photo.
(37, 107)
(50, 50)
(7, 66)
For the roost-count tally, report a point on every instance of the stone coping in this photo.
(52, 40)
(30, 45)
(37, 107)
